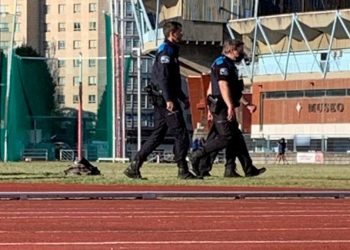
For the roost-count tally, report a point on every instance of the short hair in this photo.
(171, 26)
(231, 44)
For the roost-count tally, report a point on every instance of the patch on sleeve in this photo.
(164, 59)
(224, 72)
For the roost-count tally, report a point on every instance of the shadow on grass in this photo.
(31, 176)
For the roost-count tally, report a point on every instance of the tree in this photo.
(28, 51)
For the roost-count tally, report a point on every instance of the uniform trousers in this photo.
(171, 123)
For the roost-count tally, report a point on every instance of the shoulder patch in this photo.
(223, 72)
(164, 59)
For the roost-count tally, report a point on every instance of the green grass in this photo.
(303, 176)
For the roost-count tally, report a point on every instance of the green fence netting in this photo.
(30, 95)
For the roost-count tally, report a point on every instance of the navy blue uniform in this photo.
(166, 76)
(224, 133)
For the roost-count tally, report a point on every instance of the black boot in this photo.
(231, 173)
(184, 173)
(195, 158)
(253, 171)
(133, 170)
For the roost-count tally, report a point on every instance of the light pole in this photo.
(137, 51)
(80, 108)
(8, 82)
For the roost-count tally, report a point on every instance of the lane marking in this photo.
(282, 212)
(174, 216)
(185, 231)
(174, 242)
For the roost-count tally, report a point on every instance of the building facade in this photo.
(28, 26)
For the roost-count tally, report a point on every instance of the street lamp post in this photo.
(138, 55)
(8, 83)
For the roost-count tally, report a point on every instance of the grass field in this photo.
(304, 176)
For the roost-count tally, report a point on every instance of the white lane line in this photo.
(174, 216)
(282, 212)
(174, 242)
(184, 231)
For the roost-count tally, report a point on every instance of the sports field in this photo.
(299, 176)
(173, 223)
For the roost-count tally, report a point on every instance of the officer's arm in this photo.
(251, 107)
(225, 93)
(163, 71)
(209, 91)
(182, 96)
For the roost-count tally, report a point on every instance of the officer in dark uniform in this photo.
(165, 94)
(226, 91)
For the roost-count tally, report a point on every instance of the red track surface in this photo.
(172, 224)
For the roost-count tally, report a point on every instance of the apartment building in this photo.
(27, 17)
(74, 28)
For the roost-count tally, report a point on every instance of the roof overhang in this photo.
(312, 29)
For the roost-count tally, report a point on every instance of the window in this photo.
(276, 94)
(75, 98)
(61, 9)
(92, 7)
(128, 10)
(76, 26)
(76, 63)
(315, 93)
(60, 99)
(47, 9)
(129, 28)
(336, 92)
(128, 45)
(18, 9)
(294, 94)
(4, 27)
(61, 45)
(3, 8)
(92, 44)
(61, 80)
(135, 43)
(92, 98)
(92, 63)
(76, 44)
(47, 27)
(61, 63)
(144, 101)
(77, 8)
(92, 80)
(76, 80)
(92, 25)
(4, 44)
(61, 27)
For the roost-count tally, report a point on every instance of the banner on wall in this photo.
(310, 157)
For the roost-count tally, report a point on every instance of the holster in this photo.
(155, 96)
(214, 103)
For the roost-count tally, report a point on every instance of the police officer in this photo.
(226, 89)
(168, 114)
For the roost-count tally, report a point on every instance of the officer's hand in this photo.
(230, 114)
(209, 116)
(170, 106)
(251, 108)
(186, 104)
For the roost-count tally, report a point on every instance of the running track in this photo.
(175, 224)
